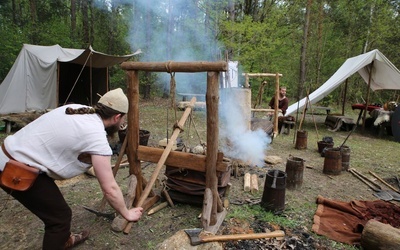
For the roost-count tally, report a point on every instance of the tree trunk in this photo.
(304, 51)
(73, 19)
(85, 23)
(33, 16)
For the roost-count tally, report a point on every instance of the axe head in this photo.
(194, 235)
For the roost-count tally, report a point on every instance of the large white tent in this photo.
(384, 75)
(44, 77)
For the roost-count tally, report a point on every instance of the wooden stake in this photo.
(158, 208)
(167, 197)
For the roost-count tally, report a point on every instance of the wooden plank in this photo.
(179, 159)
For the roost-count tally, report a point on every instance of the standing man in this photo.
(64, 143)
(283, 101)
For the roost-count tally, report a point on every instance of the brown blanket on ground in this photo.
(344, 221)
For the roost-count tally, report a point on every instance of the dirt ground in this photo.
(19, 229)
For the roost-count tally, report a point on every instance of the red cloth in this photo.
(362, 106)
(344, 221)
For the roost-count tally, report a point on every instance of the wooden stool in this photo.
(286, 127)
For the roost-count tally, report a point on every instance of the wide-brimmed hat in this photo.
(115, 99)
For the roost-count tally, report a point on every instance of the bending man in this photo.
(64, 143)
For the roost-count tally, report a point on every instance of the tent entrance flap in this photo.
(88, 83)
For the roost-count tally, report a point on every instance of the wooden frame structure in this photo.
(276, 109)
(213, 210)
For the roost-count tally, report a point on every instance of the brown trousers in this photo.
(45, 200)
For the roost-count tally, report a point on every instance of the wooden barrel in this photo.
(345, 151)
(301, 139)
(323, 144)
(332, 161)
(294, 170)
(273, 198)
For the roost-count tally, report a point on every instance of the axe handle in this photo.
(384, 182)
(278, 233)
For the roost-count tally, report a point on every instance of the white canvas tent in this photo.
(384, 75)
(44, 77)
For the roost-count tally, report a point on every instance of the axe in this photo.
(101, 214)
(197, 239)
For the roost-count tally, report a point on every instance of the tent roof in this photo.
(384, 75)
(32, 82)
(54, 53)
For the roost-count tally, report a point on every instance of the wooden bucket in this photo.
(322, 145)
(294, 170)
(273, 198)
(332, 161)
(301, 139)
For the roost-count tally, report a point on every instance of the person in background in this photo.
(283, 101)
(62, 144)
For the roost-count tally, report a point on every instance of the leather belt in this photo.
(5, 152)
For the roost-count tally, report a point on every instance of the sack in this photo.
(18, 176)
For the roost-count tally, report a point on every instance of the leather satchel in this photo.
(18, 176)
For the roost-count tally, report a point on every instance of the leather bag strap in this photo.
(5, 152)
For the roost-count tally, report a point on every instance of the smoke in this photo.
(179, 30)
(237, 140)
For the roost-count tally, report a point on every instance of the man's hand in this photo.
(134, 214)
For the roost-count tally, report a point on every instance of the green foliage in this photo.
(264, 38)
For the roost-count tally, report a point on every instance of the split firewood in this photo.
(158, 208)
(247, 180)
(254, 183)
(226, 195)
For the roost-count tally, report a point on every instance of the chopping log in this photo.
(162, 160)
(377, 235)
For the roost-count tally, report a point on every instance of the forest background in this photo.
(305, 40)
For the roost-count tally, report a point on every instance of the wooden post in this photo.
(344, 96)
(212, 101)
(276, 104)
(133, 130)
(367, 98)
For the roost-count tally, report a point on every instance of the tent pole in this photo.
(344, 96)
(58, 85)
(367, 98)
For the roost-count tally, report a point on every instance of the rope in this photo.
(83, 67)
